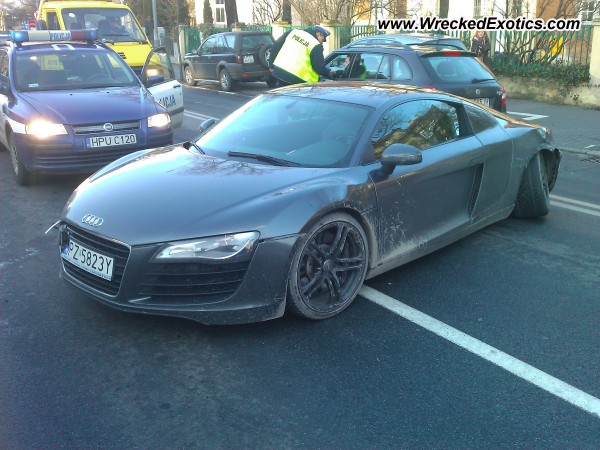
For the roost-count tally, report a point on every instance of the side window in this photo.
(348, 65)
(4, 72)
(221, 46)
(400, 69)
(230, 42)
(52, 21)
(421, 123)
(480, 120)
(3, 65)
(372, 63)
(209, 46)
(160, 64)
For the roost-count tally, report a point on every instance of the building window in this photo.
(220, 11)
(588, 11)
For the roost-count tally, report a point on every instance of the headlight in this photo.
(159, 120)
(236, 247)
(42, 129)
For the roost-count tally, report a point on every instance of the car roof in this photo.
(83, 4)
(421, 49)
(364, 93)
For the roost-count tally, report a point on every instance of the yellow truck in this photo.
(116, 24)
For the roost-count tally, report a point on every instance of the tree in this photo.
(346, 12)
(207, 15)
(267, 11)
(286, 14)
(231, 13)
(444, 5)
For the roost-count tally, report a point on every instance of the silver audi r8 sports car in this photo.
(295, 199)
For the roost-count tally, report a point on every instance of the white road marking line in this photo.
(574, 208)
(575, 202)
(527, 116)
(194, 115)
(590, 146)
(517, 367)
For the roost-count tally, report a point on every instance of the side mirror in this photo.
(154, 79)
(195, 52)
(206, 125)
(399, 155)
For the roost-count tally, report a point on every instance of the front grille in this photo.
(99, 127)
(78, 160)
(196, 283)
(119, 252)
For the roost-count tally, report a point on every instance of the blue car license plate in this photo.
(111, 141)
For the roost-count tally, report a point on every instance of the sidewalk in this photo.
(575, 128)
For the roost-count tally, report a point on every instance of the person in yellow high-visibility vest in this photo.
(297, 56)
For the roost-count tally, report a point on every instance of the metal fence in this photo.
(348, 33)
(519, 48)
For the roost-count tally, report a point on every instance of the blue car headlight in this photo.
(43, 129)
(159, 120)
(230, 247)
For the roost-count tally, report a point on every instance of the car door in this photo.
(204, 66)
(4, 90)
(435, 198)
(167, 91)
(498, 160)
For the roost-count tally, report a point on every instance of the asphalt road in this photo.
(76, 374)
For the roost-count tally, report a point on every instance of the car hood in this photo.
(84, 106)
(173, 193)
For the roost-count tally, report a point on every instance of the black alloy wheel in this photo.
(328, 268)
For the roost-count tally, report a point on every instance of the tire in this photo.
(272, 82)
(263, 55)
(227, 83)
(533, 198)
(22, 175)
(328, 267)
(188, 75)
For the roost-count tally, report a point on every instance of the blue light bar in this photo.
(20, 36)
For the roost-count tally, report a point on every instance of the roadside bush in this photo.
(567, 75)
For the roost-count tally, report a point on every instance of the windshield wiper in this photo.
(481, 80)
(264, 158)
(189, 144)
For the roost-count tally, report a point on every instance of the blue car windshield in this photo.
(304, 131)
(70, 69)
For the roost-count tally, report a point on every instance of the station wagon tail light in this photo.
(20, 36)
(43, 129)
(238, 247)
(453, 53)
(429, 87)
(159, 120)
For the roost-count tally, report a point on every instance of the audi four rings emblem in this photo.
(92, 220)
(108, 127)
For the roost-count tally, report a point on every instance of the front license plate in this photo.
(248, 59)
(88, 260)
(110, 141)
(484, 101)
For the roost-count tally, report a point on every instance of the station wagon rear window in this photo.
(457, 69)
(255, 42)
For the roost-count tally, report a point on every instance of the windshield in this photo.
(70, 69)
(305, 131)
(457, 69)
(113, 24)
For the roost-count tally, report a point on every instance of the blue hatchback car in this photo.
(70, 104)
